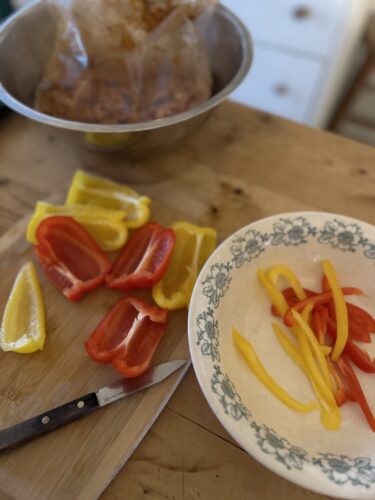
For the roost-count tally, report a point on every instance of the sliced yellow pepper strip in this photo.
(263, 376)
(23, 327)
(289, 347)
(329, 414)
(305, 340)
(274, 272)
(89, 189)
(194, 244)
(316, 347)
(277, 298)
(340, 309)
(106, 226)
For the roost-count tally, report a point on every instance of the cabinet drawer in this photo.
(280, 84)
(306, 25)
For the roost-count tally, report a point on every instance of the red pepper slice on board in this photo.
(319, 299)
(70, 257)
(144, 259)
(128, 336)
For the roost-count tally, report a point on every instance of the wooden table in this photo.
(241, 166)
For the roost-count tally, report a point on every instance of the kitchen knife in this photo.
(57, 417)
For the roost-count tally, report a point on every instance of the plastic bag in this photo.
(125, 61)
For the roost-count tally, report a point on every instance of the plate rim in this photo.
(294, 476)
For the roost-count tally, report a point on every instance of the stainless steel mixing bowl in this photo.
(26, 39)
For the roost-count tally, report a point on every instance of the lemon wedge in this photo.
(23, 327)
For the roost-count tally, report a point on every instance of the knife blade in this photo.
(62, 415)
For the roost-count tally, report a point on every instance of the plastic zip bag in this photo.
(125, 61)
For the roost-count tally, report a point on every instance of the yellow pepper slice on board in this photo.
(87, 189)
(106, 226)
(274, 272)
(194, 244)
(23, 327)
(263, 376)
(340, 309)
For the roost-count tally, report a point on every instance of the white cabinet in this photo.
(280, 83)
(302, 54)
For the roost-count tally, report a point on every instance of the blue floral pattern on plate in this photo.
(287, 231)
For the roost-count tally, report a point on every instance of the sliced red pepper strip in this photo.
(319, 324)
(343, 392)
(144, 259)
(291, 298)
(128, 336)
(359, 357)
(357, 330)
(70, 257)
(319, 299)
(356, 389)
(360, 314)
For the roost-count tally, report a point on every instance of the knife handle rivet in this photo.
(45, 420)
(81, 404)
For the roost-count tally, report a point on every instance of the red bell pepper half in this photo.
(144, 259)
(128, 336)
(70, 257)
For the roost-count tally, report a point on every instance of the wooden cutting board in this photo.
(79, 460)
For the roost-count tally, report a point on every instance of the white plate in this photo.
(227, 293)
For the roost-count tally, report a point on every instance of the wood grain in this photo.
(240, 166)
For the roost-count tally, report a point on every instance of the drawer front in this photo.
(280, 84)
(306, 25)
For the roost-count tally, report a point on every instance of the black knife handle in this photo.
(48, 421)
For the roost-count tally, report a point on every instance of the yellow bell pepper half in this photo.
(263, 376)
(194, 245)
(106, 226)
(89, 189)
(23, 326)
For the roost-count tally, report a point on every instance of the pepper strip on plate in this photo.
(330, 417)
(274, 272)
(359, 356)
(263, 376)
(318, 299)
(340, 310)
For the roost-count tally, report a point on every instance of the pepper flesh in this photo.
(70, 257)
(194, 244)
(274, 272)
(87, 189)
(22, 327)
(263, 376)
(340, 310)
(106, 226)
(128, 336)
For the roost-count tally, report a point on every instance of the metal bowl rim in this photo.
(247, 49)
